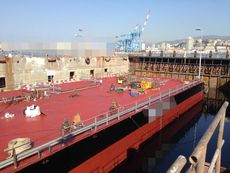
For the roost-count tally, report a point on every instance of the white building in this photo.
(143, 46)
(190, 44)
(221, 49)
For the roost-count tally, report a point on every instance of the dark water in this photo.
(180, 138)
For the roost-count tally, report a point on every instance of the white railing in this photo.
(198, 157)
(97, 121)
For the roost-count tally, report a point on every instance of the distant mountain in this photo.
(173, 41)
(206, 37)
(216, 37)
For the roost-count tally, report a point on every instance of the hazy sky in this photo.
(59, 20)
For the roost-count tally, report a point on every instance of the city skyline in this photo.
(50, 21)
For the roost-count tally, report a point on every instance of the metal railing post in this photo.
(219, 142)
(15, 158)
(95, 123)
(214, 159)
(118, 113)
(50, 148)
(201, 162)
(107, 118)
(136, 107)
(39, 154)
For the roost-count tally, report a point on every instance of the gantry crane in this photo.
(132, 42)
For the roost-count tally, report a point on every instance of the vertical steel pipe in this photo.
(219, 142)
(201, 162)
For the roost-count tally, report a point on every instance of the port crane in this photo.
(132, 42)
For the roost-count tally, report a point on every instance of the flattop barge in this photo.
(51, 119)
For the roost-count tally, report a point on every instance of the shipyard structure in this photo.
(18, 71)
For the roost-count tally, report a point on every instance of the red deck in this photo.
(91, 101)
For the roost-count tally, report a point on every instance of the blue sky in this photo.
(59, 20)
